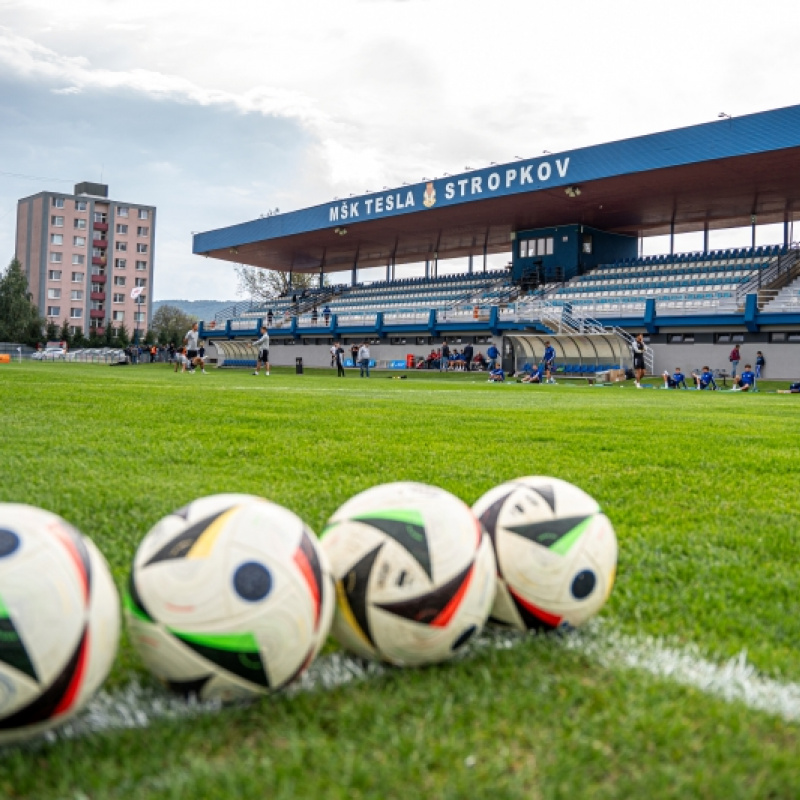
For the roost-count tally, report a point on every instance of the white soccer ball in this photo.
(59, 621)
(556, 553)
(229, 596)
(415, 573)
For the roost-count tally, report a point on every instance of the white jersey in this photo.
(363, 353)
(191, 339)
(263, 342)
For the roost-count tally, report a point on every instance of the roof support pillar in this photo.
(354, 275)
(705, 237)
(786, 234)
(322, 269)
(427, 268)
(469, 269)
(485, 249)
(672, 236)
(753, 229)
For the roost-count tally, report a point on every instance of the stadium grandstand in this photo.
(572, 226)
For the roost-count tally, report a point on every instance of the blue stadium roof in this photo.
(715, 175)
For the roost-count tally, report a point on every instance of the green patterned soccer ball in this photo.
(229, 596)
(556, 553)
(59, 621)
(414, 571)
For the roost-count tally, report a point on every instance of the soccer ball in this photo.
(556, 553)
(59, 621)
(414, 570)
(229, 596)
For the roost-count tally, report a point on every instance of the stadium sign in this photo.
(505, 180)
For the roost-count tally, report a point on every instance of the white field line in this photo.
(736, 680)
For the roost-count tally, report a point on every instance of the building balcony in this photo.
(103, 243)
(99, 261)
(99, 276)
(100, 226)
(97, 296)
(97, 313)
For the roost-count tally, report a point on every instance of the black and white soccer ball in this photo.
(229, 597)
(556, 553)
(59, 621)
(414, 571)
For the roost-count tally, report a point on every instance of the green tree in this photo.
(171, 324)
(94, 339)
(78, 339)
(123, 337)
(108, 337)
(19, 317)
(51, 332)
(150, 337)
(64, 335)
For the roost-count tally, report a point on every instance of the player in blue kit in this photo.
(746, 381)
(675, 381)
(705, 379)
(549, 362)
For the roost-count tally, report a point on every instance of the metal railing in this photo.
(768, 277)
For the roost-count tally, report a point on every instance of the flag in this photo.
(136, 291)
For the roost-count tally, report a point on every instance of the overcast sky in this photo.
(217, 113)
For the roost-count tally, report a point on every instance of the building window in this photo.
(119, 298)
(121, 246)
(680, 338)
(141, 248)
(122, 228)
(97, 305)
(57, 222)
(118, 316)
(729, 338)
(138, 316)
(98, 287)
(78, 259)
(58, 202)
(531, 248)
(54, 275)
(141, 265)
(76, 294)
(140, 282)
(75, 313)
(77, 277)
(53, 311)
(120, 263)
(122, 211)
(100, 216)
(144, 213)
(142, 231)
(54, 294)
(119, 280)
(56, 238)
(79, 241)
(79, 223)
(55, 258)
(80, 205)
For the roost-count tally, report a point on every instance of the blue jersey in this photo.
(492, 352)
(549, 354)
(748, 378)
(706, 378)
(498, 373)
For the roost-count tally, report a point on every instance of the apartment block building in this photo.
(89, 260)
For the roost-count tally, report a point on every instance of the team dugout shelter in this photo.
(573, 223)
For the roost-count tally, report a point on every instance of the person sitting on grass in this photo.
(705, 379)
(676, 380)
(746, 381)
(534, 376)
(497, 375)
(794, 388)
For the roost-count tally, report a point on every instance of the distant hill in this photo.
(200, 309)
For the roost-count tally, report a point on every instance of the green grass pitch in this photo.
(702, 489)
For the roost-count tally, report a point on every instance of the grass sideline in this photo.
(701, 488)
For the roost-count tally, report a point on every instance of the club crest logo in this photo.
(429, 198)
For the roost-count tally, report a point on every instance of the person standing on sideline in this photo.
(638, 348)
(444, 360)
(549, 361)
(363, 359)
(191, 341)
(339, 356)
(354, 354)
(262, 347)
(468, 353)
(334, 348)
(735, 357)
(761, 362)
(492, 353)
